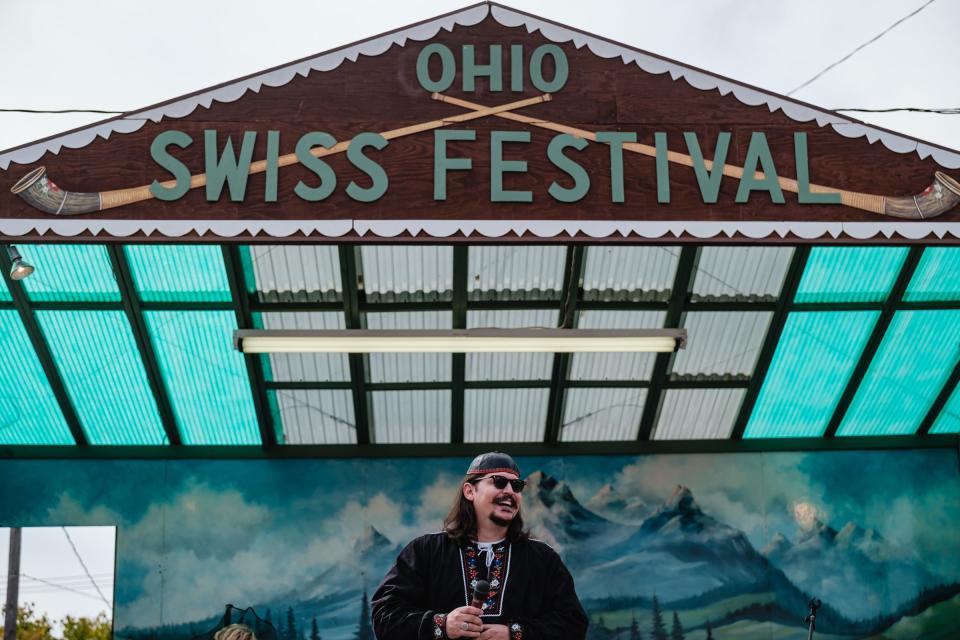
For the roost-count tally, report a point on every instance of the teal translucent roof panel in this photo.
(4, 292)
(97, 357)
(949, 419)
(814, 359)
(205, 376)
(917, 355)
(69, 273)
(937, 276)
(29, 413)
(179, 273)
(850, 274)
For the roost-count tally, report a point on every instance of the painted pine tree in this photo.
(635, 629)
(291, 630)
(314, 630)
(658, 630)
(676, 632)
(709, 631)
(364, 629)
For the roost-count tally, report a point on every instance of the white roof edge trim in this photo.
(700, 80)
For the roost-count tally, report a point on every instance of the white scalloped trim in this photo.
(506, 17)
(559, 230)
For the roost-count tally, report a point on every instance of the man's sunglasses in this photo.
(501, 483)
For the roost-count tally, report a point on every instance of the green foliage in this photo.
(658, 630)
(635, 629)
(676, 632)
(32, 626)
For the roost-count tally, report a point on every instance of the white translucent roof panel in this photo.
(721, 343)
(741, 273)
(426, 271)
(411, 416)
(315, 416)
(646, 272)
(602, 414)
(294, 272)
(615, 366)
(505, 415)
(410, 367)
(305, 367)
(510, 366)
(698, 414)
(501, 271)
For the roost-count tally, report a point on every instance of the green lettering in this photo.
(616, 139)
(803, 176)
(561, 68)
(581, 180)
(328, 179)
(492, 70)
(442, 164)
(759, 153)
(709, 181)
(273, 155)
(180, 172)
(663, 167)
(448, 67)
(368, 166)
(227, 167)
(499, 166)
(516, 67)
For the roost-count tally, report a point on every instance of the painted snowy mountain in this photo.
(848, 566)
(612, 505)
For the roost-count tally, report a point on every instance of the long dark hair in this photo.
(461, 522)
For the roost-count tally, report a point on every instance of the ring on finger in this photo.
(465, 626)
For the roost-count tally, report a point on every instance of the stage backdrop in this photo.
(727, 546)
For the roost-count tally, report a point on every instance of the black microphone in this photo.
(480, 593)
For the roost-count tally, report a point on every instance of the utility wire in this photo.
(949, 111)
(61, 111)
(84, 565)
(868, 42)
(65, 588)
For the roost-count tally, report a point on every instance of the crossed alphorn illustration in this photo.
(41, 193)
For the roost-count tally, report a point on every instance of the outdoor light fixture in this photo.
(461, 341)
(20, 268)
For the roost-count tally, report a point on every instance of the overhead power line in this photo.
(868, 42)
(948, 110)
(84, 565)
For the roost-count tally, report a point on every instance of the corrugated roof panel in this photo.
(97, 357)
(629, 273)
(949, 419)
(288, 273)
(70, 272)
(500, 272)
(850, 274)
(698, 414)
(917, 355)
(721, 343)
(410, 367)
(179, 273)
(615, 366)
(205, 376)
(602, 414)
(29, 413)
(422, 272)
(815, 357)
(411, 416)
(510, 366)
(741, 273)
(4, 292)
(304, 367)
(315, 416)
(937, 276)
(505, 415)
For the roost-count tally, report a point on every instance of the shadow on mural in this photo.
(670, 546)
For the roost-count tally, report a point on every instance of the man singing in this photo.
(427, 594)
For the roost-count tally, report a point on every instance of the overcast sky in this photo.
(119, 55)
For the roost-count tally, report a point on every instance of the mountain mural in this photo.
(690, 546)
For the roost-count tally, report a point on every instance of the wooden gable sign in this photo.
(487, 124)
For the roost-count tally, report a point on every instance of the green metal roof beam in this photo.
(790, 284)
(894, 299)
(349, 277)
(241, 307)
(573, 268)
(39, 343)
(941, 401)
(131, 306)
(458, 364)
(679, 294)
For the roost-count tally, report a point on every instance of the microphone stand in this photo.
(811, 618)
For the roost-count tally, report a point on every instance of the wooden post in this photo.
(13, 586)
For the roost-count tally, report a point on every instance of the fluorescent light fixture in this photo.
(461, 341)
